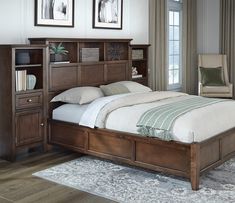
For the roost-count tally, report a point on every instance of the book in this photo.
(137, 54)
(60, 62)
(24, 75)
(17, 82)
(137, 76)
(21, 84)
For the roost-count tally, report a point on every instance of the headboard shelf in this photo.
(89, 62)
(58, 65)
(111, 62)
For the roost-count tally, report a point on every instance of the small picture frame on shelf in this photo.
(89, 54)
(137, 54)
(58, 13)
(107, 14)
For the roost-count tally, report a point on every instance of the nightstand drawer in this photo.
(28, 100)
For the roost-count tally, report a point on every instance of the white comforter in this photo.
(121, 112)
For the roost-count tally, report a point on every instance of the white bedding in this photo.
(196, 126)
(71, 113)
(121, 112)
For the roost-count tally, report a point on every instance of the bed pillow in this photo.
(212, 76)
(123, 87)
(79, 95)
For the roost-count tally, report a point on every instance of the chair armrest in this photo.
(200, 88)
(230, 87)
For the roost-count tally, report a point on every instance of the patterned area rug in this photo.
(133, 185)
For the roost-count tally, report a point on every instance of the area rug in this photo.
(133, 185)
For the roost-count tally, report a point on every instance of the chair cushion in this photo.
(212, 76)
(216, 89)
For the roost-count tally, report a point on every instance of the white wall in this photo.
(17, 22)
(208, 26)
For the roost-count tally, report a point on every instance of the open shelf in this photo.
(91, 62)
(92, 47)
(25, 57)
(140, 62)
(54, 65)
(116, 51)
(71, 47)
(28, 66)
(28, 61)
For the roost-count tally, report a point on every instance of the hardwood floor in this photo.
(18, 185)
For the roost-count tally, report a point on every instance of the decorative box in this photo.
(22, 58)
(89, 54)
(137, 54)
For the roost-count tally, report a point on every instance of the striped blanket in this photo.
(158, 122)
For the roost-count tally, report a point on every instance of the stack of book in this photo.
(137, 76)
(21, 77)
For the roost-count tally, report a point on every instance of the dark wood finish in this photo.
(186, 160)
(21, 112)
(145, 152)
(63, 77)
(114, 64)
(92, 74)
(18, 185)
(28, 100)
(75, 138)
(6, 104)
(212, 154)
(117, 72)
(195, 165)
(141, 64)
(112, 145)
(29, 125)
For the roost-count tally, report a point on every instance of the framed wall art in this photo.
(107, 14)
(59, 13)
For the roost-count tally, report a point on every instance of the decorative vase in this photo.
(22, 58)
(56, 57)
(31, 82)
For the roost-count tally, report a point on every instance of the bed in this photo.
(106, 128)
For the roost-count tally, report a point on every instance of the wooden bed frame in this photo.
(185, 160)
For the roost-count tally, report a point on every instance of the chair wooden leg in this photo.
(195, 166)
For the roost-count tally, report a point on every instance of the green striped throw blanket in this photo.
(158, 121)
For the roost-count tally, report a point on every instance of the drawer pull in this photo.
(42, 124)
(29, 100)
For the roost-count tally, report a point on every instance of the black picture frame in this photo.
(64, 16)
(112, 20)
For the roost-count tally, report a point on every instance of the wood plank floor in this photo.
(18, 185)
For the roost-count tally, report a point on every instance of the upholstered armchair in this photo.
(214, 61)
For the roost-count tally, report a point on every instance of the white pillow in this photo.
(79, 95)
(123, 87)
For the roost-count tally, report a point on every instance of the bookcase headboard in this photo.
(89, 62)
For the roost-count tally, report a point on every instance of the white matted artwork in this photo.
(58, 13)
(107, 14)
